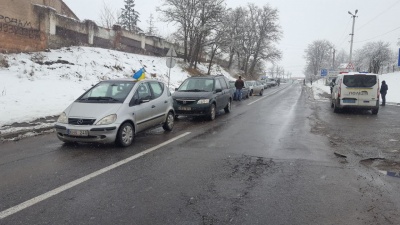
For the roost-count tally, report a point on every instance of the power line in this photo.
(344, 33)
(380, 14)
(378, 35)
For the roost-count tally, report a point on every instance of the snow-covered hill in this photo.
(42, 84)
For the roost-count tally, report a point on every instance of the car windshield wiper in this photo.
(195, 90)
(102, 99)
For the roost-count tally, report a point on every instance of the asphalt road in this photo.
(270, 161)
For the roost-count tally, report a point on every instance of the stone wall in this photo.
(38, 27)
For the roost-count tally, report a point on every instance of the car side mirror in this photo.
(176, 89)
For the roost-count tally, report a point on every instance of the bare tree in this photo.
(268, 32)
(373, 56)
(317, 57)
(183, 13)
(107, 16)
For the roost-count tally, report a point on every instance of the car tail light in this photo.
(340, 90)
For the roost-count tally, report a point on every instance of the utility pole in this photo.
(352, 33)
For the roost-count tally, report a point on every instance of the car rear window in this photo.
(359, 80)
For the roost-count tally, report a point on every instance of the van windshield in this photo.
(359, 80)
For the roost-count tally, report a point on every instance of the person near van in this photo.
(384, 89)
(332, 84)
(239, 84)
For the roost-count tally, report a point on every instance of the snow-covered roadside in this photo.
(41, 85)
(322, 92)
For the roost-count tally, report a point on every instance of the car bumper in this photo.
(373, 104)
(195, 110)
(95, 134)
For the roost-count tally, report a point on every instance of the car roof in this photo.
(204, 77)
(357, 73)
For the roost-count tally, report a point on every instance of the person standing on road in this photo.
(239, 84)
(384, 89)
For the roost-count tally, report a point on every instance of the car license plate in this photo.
(78, 132)
(349, 101)
(185, 108)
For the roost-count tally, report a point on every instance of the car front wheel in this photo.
(125, 135)
(228, 107)
(169, 122)
(211, 115)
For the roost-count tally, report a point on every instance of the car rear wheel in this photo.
(261, 92)
(228, 107)
(211, 115)
(375, 111)
(125, 135)
(251, 93)
(169, 122)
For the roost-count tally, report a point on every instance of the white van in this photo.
(356, 90)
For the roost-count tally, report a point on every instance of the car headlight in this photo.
(107, 120)
(62, 118)
(203, 101)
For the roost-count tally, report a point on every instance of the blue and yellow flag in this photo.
(140, 75)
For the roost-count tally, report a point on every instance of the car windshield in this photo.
(359, 80)
(106, 92)
(197, 85)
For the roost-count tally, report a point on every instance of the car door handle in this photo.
(153, 106)
(165, 101)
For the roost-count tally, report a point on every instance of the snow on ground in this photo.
(392, 80)
(29, 90)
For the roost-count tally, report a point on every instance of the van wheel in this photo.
(211, 115)
(332, 104)
(169, 122)
(335, 108)
(125, 135)
(375, 111)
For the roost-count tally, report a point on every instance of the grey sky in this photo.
(302, 22)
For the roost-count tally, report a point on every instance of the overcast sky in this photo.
(302, 22)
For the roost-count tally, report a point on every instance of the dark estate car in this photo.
(203, 96)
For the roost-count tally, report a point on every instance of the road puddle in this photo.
(387, 167)
(391, 173)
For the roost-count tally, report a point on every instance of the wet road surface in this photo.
(270, 161)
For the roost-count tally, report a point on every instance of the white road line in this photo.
(74, 183)
(267, 95)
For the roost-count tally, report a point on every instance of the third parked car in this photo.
(245, 90)
(256, 87)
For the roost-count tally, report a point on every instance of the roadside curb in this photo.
(25, 132)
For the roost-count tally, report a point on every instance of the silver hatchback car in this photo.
(116, 110)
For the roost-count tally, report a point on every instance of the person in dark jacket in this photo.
(384, 89)
(239, 84)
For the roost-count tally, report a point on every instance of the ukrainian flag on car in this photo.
(139, 75)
